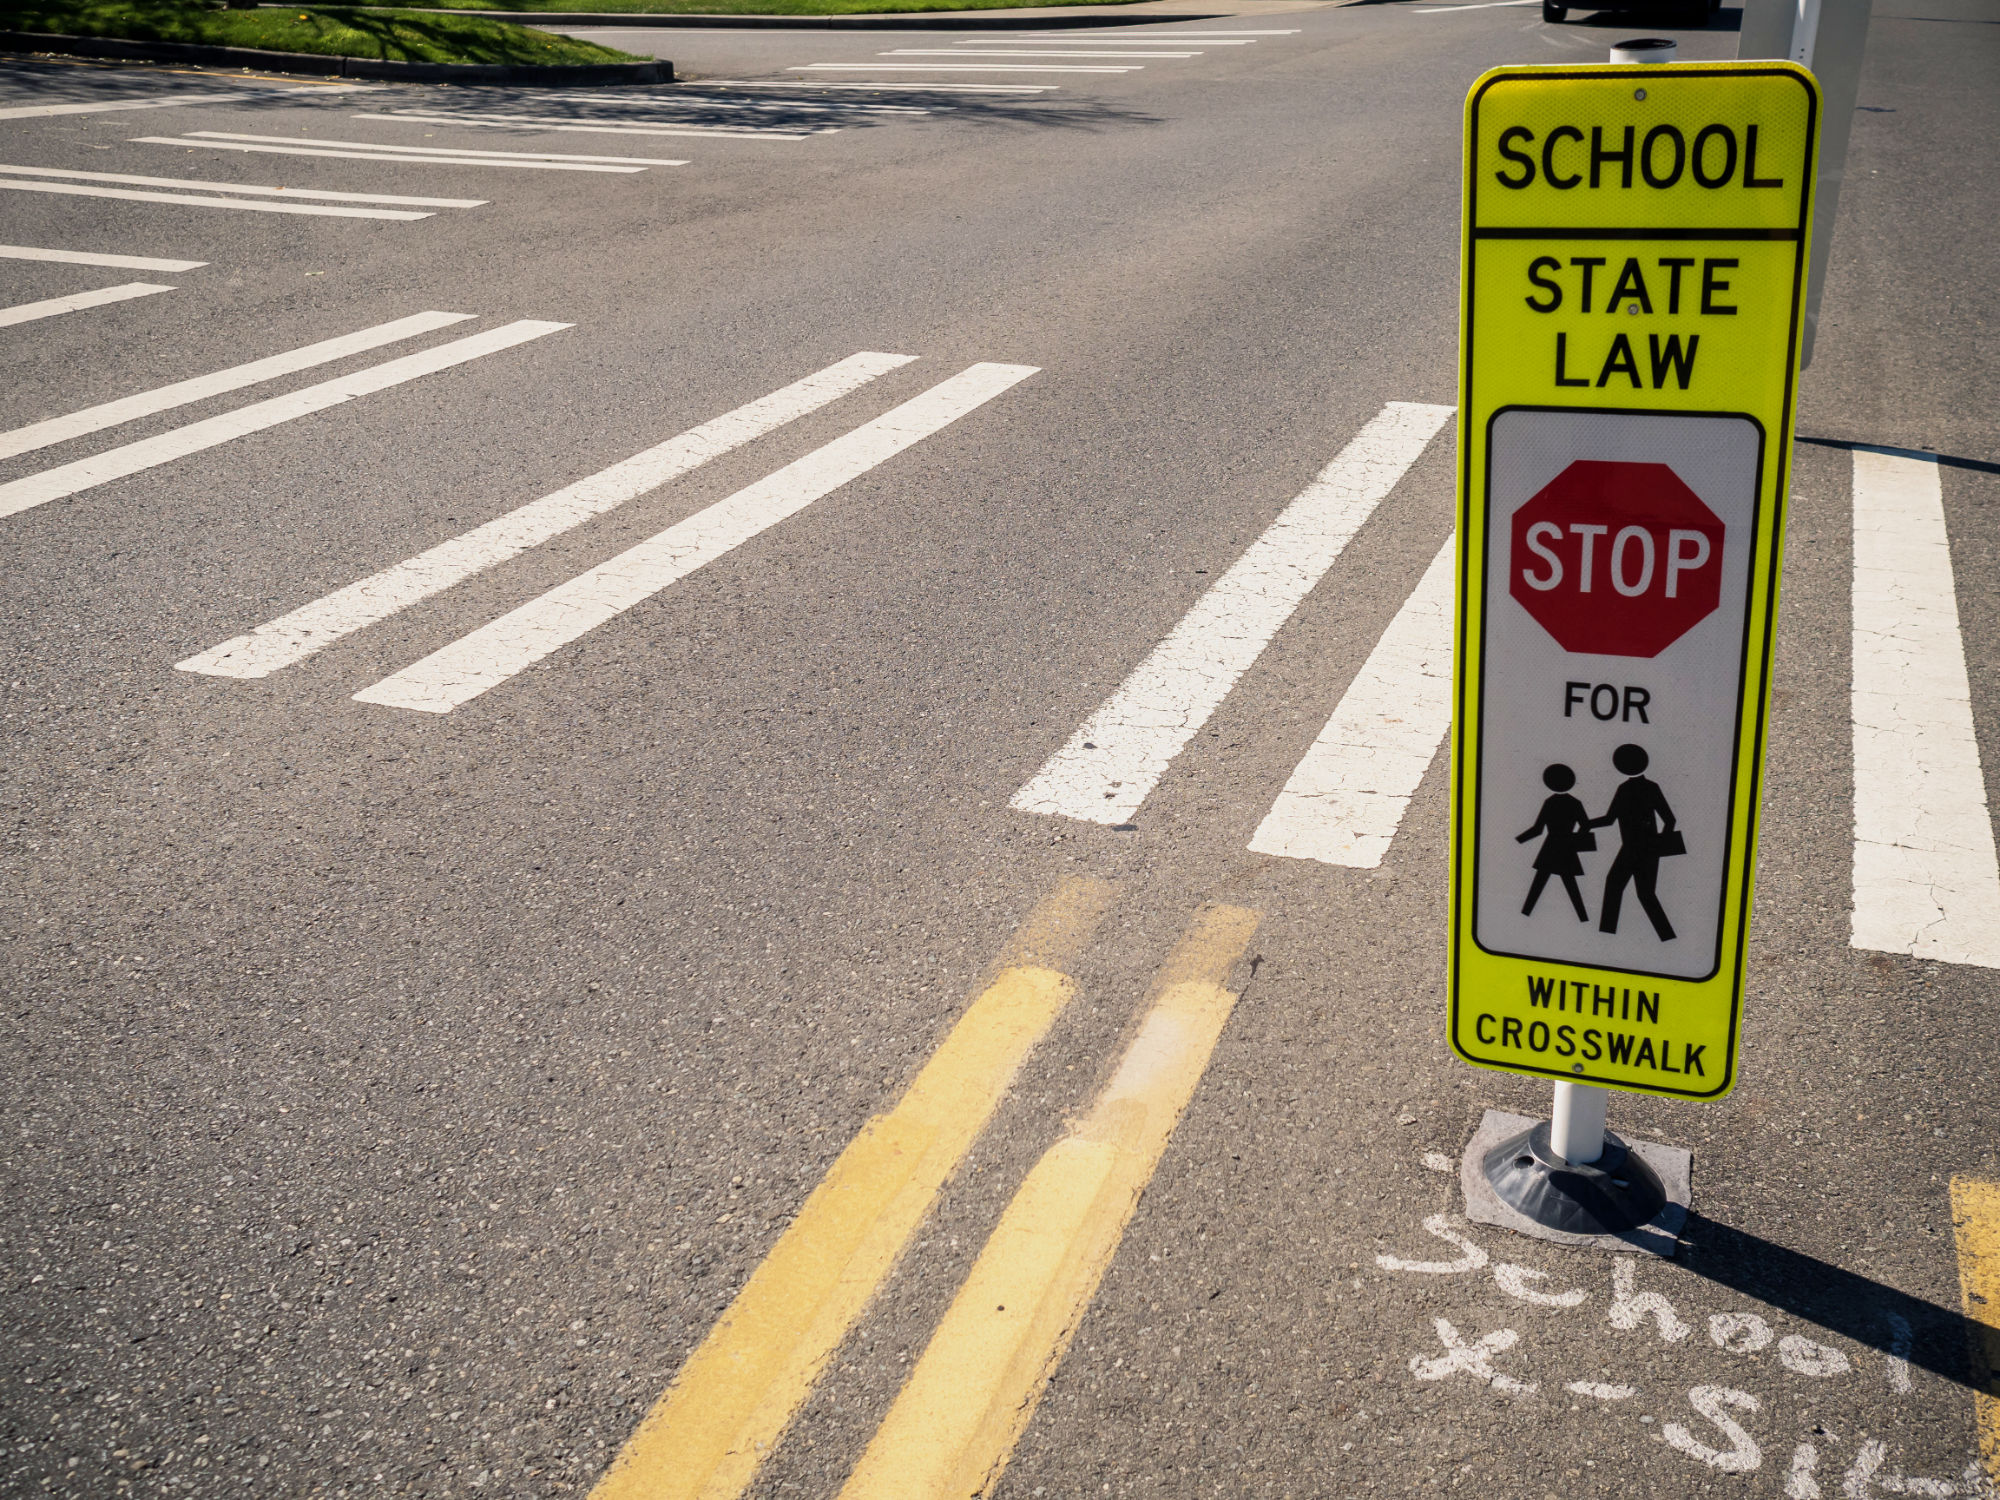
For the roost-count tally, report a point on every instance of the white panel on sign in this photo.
(1617, 594)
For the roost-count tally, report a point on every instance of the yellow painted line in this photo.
(1975, 1214)
(954, 1426)
(738, 1391)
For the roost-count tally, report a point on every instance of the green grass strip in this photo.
(396, 35)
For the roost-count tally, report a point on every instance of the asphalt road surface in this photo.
(448, 957)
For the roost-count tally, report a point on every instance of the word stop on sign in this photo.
(1633, 273)
(1617, 578)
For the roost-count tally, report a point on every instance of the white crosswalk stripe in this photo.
(1029, 52)
(130, 408)
(30, 312)
(101, 468)
(957, 68)
(1347, 798)
(452, 153)
(571, 124)
(46, 111)
(292, 637)
(1926, 879)
(491, 655)
(90, 258)
(820, 86)
(1111, 764)
(394, 158)
(247, 189)
(191, 200)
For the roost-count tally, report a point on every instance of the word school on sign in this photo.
(1710, 161)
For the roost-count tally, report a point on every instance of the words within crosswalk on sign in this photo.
(1634, 272)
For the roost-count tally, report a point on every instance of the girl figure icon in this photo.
(1564, 827)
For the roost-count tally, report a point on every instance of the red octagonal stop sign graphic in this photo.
(1619, 559)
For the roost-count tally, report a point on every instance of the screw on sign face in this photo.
(1619, 559)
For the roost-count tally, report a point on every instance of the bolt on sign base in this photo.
(1585, 1207)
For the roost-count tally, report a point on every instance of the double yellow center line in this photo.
(972, 1393)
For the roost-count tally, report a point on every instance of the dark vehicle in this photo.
(1686, 14)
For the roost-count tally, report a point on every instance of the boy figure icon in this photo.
(1565, 830)
(1641, 845)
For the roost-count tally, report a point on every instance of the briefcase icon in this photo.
(1669, 842)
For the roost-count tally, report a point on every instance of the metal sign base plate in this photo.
(1658, 1236)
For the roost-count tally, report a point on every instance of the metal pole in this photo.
(1576, 1128)
(1827, 36)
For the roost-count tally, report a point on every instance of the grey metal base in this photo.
(1660, 1235)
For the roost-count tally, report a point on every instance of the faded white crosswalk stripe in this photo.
(1111, 764)
(292, 637)
(246, 189)
(1028, 52)
(129, 408)
(959, 68)
(1926, 880)
(148, 453)
(585, 126)
(489, 656)
(404, 158)
(49, 307)
(444, 153)
(89, 258)
(1348, 796)
(45, 111)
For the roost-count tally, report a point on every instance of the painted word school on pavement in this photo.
(1634, 270)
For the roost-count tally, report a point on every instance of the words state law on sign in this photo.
(1634, 275)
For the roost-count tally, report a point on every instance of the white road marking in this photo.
(755, 106)
(1739, 1332)
(43, 111)
(85, 258)
(1119, 31)
(433, 159)
(251, 205)
(117, 463)
(492, 654)
(1631, 1307)
(29, 312)
(1114, 761)
(1484, 5)
(201, 387)
(1022, 52)
(928, 88)
(1347, 798)
(1804, 1356)
(1153, 41)
(1926, 879)
(452, 152)
(1474, 1359)
(1743, 1454)
(1519, 1281)
(548, 123)
(254, 190)
(949, 68)
(1799, 1483)
(292, 637)
(1471, 1257)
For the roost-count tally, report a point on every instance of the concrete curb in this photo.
(338, 67)
(982, 20)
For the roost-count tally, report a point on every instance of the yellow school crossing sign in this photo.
(1634, 271)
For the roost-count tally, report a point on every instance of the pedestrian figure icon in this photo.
(1564, 826)
(1642, 842)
